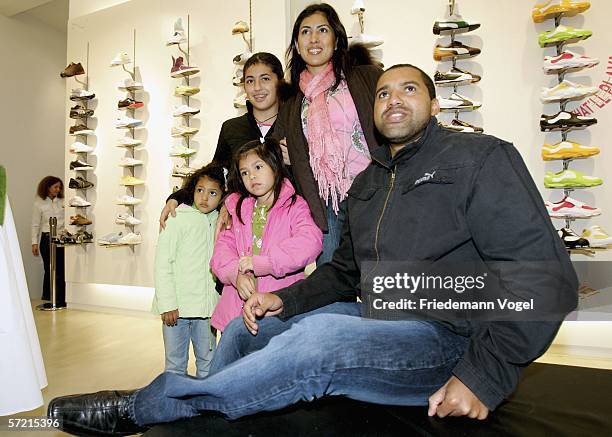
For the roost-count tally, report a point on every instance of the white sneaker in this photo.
(130, 85)
(124, 122)
(128, 142)
(131, 239)
(112, 238)
(81, 94)
(567, 90)
(457, 102)
(179, 33)
(597, 236)
(79, 202)
(120, 59)
(129, 162)
(357, 7)
(182, 151)
(124, 218)
(183, 131)
(568, 60)
(368, 41)
(240, 101)
(128, 200)
(237, 80)
(183, 171)
(78, 147)
(242, 58)
(185, 111)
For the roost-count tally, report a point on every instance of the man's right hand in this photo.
(35, 250)
(170, 208)
(260, 305)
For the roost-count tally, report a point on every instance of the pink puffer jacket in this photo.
(291, 241)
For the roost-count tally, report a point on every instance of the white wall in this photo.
(31, 120)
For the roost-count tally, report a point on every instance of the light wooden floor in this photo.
(86, 351)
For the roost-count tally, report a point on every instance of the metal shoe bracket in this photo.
(566, 162)
(82, 191)
(186, 52)
(360, 16)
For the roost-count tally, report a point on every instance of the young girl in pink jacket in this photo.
(273, 236)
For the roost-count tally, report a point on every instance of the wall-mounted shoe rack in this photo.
(184, 111)
(368, 41)
(130, 104)
(564, 122)
(81, 113)
(455, 77)
(242, 28)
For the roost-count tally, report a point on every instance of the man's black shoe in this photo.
(103, 413)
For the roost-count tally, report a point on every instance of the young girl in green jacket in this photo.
(185, 294)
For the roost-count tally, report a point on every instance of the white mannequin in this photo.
(22, 371)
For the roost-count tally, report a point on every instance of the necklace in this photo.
(263, 121)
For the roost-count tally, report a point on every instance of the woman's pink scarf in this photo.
(327, 156)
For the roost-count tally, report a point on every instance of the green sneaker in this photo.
(562, 34)
(570, 179)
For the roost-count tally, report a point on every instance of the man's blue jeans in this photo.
(383, 362)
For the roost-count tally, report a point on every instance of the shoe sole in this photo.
(553, 99)
(186, 114)
(571, 184)
(565, 127)
(450, 56)
(183, 73)
(571, 40)
(455, 31)
(557, 157)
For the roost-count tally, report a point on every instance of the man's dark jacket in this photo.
(480, 204)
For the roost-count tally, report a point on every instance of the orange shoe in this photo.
(567, 150)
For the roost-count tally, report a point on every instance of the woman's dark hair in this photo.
(269, 151)
(340, 59)
(47, 182)
(265, 58)
(212, 171)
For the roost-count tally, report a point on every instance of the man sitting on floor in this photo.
(431, 195)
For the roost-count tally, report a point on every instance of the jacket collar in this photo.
(382, 155)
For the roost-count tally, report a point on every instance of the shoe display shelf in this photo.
(129, 122)
(453, 52)
(82, 114)
(564, 130)
(183, 111)
(242, 28)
